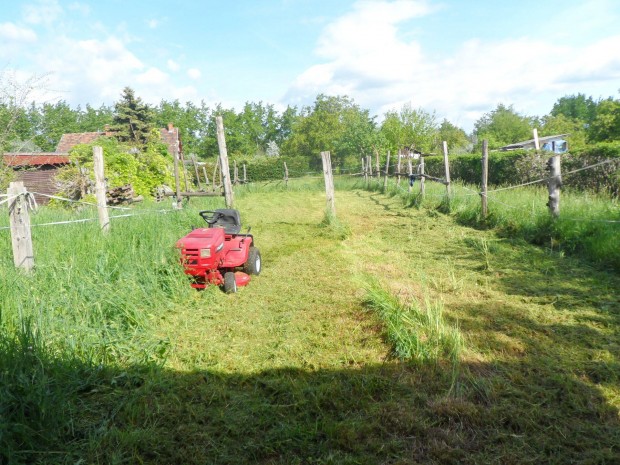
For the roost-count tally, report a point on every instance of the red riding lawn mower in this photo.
(219, 254)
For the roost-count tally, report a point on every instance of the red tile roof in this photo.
(68, 141)
(17, 160)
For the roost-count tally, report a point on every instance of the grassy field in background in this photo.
(392, 335)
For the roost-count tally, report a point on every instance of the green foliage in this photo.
(144, 170)
(606, 125)
(456, 138)
(132, 119)
(412, 128)
(334, 124)
(503, 126)
(561, 124)
(576, 107)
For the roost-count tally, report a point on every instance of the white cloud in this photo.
(12, 33)
(366, 55)
(173, 65)
(152, 76)
(152, 23)
(42, 12)
(80, 8)
(194, 73)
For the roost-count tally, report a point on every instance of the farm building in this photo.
(37, 170)
(555, 144)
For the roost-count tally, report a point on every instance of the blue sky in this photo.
(455, 57)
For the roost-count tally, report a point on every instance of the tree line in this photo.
(334, 123)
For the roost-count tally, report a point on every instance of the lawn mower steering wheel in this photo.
(210, 216)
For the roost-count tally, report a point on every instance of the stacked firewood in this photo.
(122, 195)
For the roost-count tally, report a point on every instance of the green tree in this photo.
(133, 119)
(576, 107)
(409, 127)
(54, 121)
(456, 138)
(335, 124)
(503, 126)
(606, 124)
(95, 119)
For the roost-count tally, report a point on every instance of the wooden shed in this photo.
(37, 171)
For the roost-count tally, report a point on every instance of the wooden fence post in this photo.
(177, 181)
(236, 175)
(378, 164)
(204, 172)
(422, 178)
(410, 171)
(19, 217)
(329, 182)
(387, 170)
(102, 208)
(400, 156)
(224, 169)
(485, 177)
(285, 175)
(447, 167)
(369, 165)
(196, 170)
(245, 175)
(554, 185)
(364, 174)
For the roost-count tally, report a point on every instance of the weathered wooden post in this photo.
(400, 156)
(285, 175)
(329, 182)
(204, 172)
(245, 175)
(102, 207)
(378, 165)
(364, 174)
(554, 185)
(224, 169)
(485, 177)
(410, 171)
(196, 170)
(19, 218)
(184, 170)
(446, 164)
(236, 175)
(387, 170)
(369, 165)
(422, 178)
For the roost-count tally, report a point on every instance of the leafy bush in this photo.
(144, 170)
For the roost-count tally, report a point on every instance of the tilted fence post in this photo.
(400, 157)
(224, 169)
(102, 207)
(19, 217)
(554, 185)
(329, 182)
(410, 171)
(285, 175)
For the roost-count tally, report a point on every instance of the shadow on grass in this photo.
(517, 412)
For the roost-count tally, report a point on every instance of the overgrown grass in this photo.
(417, 332)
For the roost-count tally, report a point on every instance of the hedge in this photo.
(521, 166)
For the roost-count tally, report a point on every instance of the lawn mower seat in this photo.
(227, 219)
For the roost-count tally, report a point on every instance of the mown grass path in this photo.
(294, 369)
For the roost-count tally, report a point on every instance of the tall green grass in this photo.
(417, 332)
(91, 302)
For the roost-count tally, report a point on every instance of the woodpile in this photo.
(122, 195)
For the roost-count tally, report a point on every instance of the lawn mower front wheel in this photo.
(254, 264)
(230, 283)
